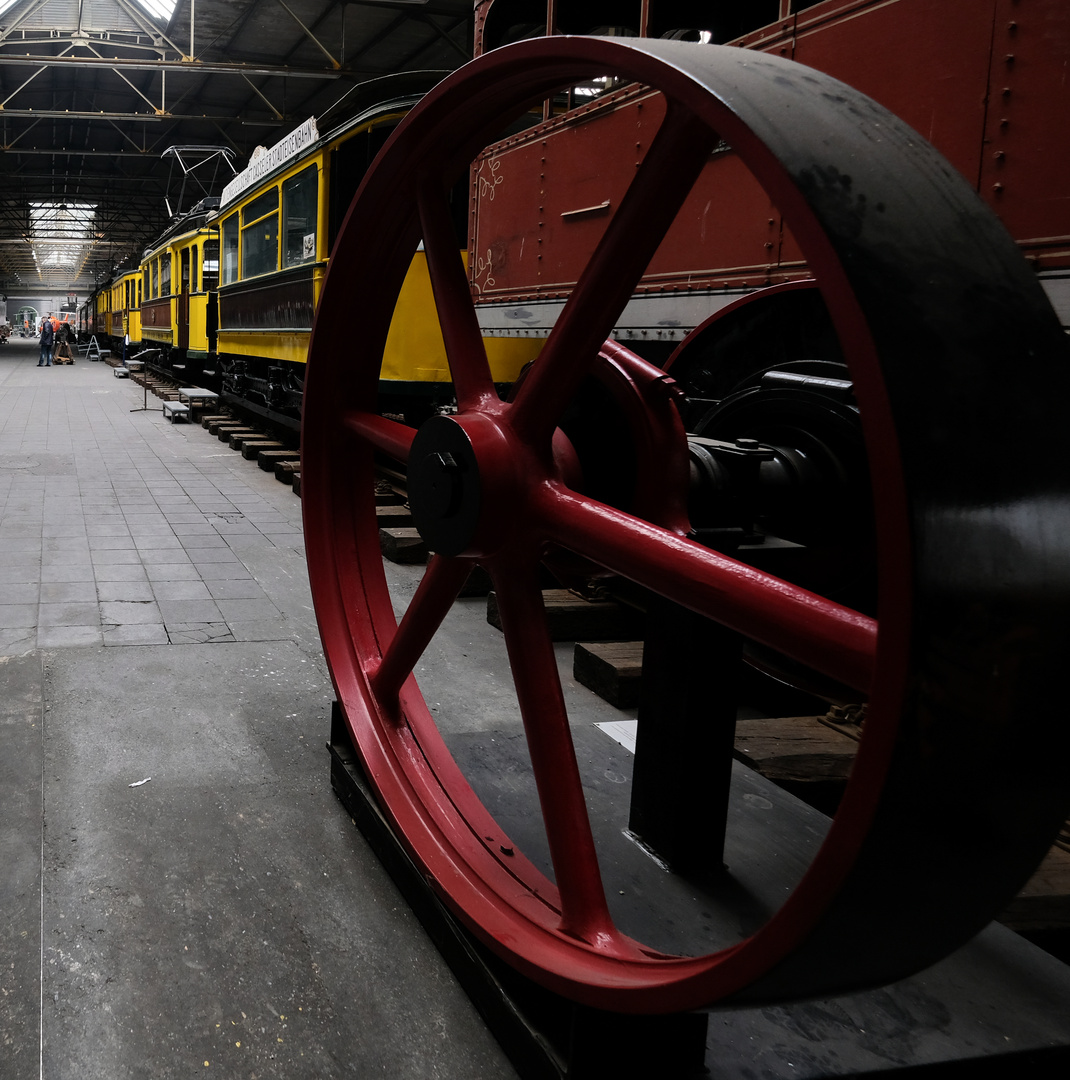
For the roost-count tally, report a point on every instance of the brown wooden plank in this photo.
(1044, 903)
(575, 618)
(226, 431)
(238, 437)
(794, 749)
(401, 545)
(612, 669)
(393, 516)
(250, 449)
(228, 421)
(266, 459)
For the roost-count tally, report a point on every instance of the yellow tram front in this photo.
(125, 312)
(177, 310)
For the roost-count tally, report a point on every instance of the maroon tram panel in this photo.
(980, 79)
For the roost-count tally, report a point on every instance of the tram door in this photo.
(183, 303)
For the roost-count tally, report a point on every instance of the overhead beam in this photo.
(47, 152)
(309, 34)
(188, 67)
(79, 114)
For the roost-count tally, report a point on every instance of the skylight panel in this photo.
(160, 10)
(6, 5)
(61, 237)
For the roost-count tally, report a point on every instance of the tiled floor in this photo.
(119, 528)
(180, 891)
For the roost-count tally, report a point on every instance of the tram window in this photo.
(155, 278)
(145, 277)
(230, 249)
(260, 235)
(299, 216)
(194, 259)
(165, 274)
(210, 265)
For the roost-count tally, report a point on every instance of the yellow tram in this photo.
(277, 223)
(124, 310)
(178, 280)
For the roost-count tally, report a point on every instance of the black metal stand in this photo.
(145, 398)
(683, 746)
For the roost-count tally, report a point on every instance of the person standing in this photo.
(47, 335)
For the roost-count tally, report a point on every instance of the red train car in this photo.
(983, 80)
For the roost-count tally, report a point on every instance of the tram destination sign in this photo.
(265, 161)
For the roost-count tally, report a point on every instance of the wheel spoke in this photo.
(553, 757)
(439, 587)
(465, 351)
(670, 168)
(386, 435)
(824, 635)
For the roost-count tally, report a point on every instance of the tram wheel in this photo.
(959, 783)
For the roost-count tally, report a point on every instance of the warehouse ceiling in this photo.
(114, 114)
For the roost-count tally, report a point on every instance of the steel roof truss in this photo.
(308, 33)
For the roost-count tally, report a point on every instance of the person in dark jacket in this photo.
(47, 336)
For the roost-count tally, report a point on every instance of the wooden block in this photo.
(214, 418)
(228, 428)
(612, 669)
(238, 437)
(572, 618)
(297, 484)
(797, 749)
(1044, 903)
(213, 426)
(266, 458)
(285, 469)
(250, 449)
(387, 496)
(402, 545)
(393, 516)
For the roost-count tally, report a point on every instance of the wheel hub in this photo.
(445, 492)
(462, 488)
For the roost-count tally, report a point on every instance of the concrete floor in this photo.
(180, 891)
(223, 916)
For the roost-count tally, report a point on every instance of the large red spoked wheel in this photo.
(959, 367)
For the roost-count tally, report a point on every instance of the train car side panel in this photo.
(925, 60)
(1024, 169)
